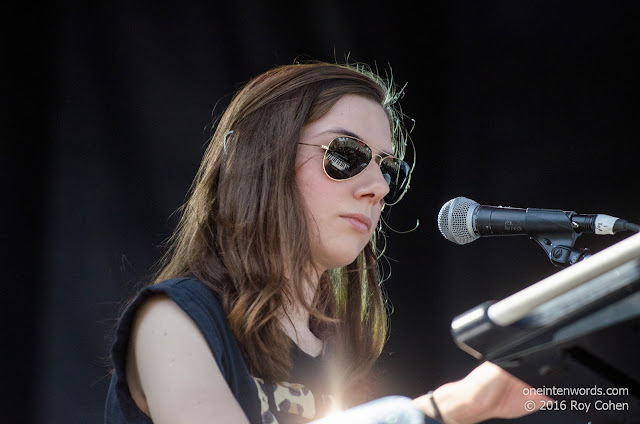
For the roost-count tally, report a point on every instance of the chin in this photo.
(347, 257)
(339, 252)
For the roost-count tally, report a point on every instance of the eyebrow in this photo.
(344, 131)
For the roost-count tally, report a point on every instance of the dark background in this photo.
(518, 103)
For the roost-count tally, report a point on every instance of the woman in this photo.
(267, 305)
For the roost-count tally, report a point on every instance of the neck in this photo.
(294, 319)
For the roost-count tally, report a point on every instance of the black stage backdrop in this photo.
(529, 104)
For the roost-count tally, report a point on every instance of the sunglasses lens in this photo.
(396, 172)
(346, 157)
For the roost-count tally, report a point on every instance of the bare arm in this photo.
(172, 374)
(487, 392)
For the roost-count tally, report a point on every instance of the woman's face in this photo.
(343, 214)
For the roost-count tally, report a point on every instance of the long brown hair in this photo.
(244, 231)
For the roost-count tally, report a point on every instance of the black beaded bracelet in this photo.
(436, 411)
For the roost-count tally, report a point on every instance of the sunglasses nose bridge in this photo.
(377, 158)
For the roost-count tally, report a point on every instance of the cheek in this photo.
(318, 200)
(313, 184)
(375, 223)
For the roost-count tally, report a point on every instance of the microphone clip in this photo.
(560, 249)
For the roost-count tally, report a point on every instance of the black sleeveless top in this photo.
(300, 401)
(303, 399)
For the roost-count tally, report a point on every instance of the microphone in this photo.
(463, 220)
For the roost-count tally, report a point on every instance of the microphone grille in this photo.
(454, 220)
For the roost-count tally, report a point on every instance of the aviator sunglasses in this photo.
(345, 157)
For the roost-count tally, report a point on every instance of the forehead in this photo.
(356, 116)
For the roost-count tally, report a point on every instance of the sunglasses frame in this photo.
(327, 147)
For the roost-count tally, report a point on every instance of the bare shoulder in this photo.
(157, 312)
(171, 371)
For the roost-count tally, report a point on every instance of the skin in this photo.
(173, 376)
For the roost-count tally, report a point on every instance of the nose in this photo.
(370, 183)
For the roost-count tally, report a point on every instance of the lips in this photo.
(358, 221)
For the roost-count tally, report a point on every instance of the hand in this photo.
(487, 392)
